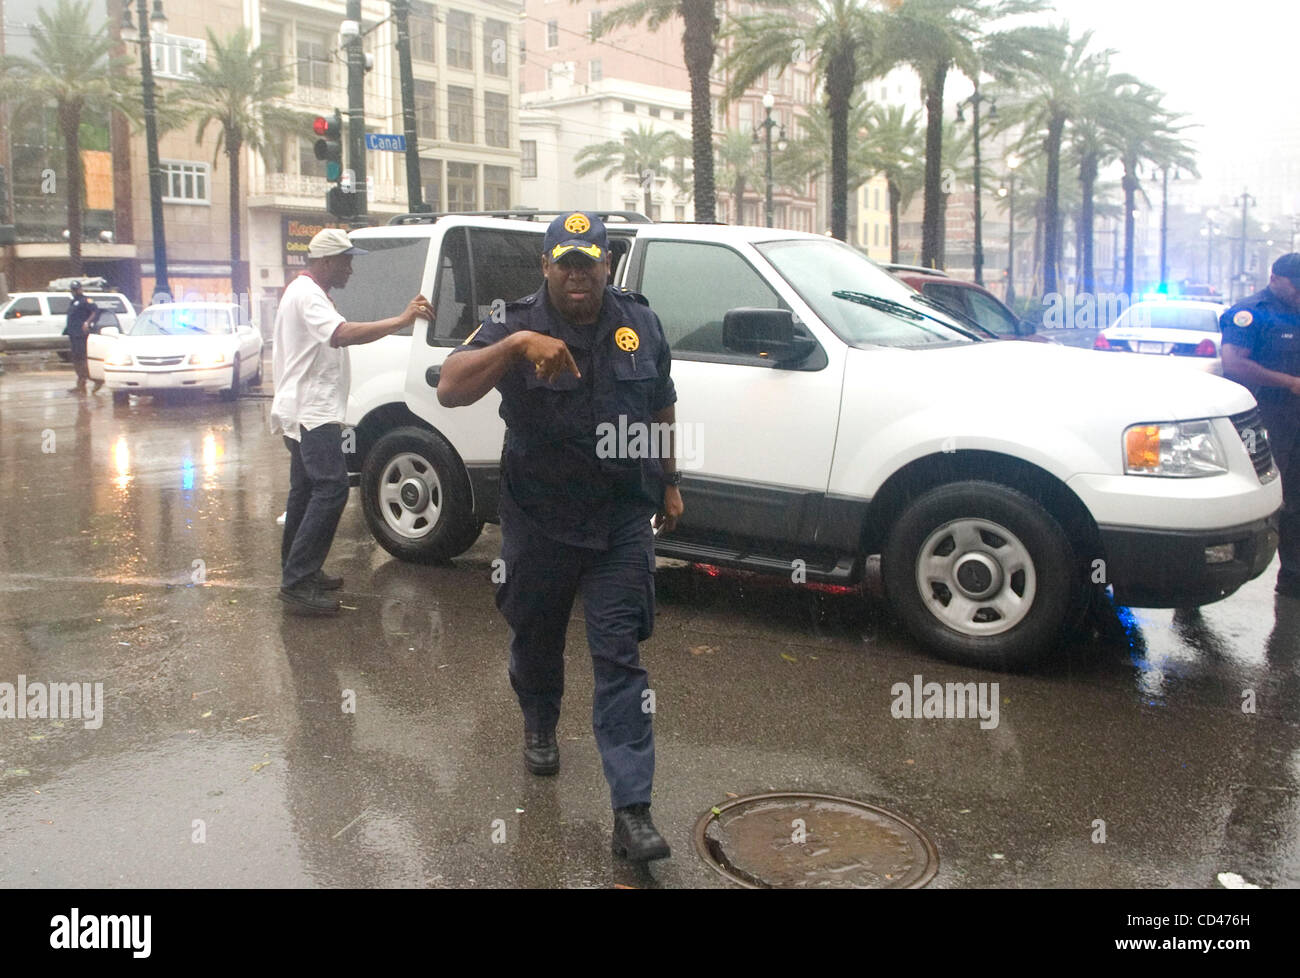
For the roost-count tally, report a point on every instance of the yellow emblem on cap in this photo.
(1243, 318)
(577, 224)
(592, 250)
(625, 339)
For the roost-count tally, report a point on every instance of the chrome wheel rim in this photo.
(410, 496)
(976, 577)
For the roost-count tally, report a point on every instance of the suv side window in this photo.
(691, 286)
(479, 266)
(29, 306)
(383, 281)
(991, 316)
(59, 304)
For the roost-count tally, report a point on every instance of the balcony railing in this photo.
(302, 185)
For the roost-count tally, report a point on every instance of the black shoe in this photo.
(308, 599)
(327, 583)
(541, 753)
(635, 837)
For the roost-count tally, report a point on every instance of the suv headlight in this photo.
(1173, 448)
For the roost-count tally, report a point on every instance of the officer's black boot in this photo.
(635, 836)
(541, 753)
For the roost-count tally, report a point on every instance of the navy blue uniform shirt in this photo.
(1270, 329)
(79, 310)
(566, 468)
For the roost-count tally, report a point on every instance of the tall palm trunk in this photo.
(70, 124)
(1052, 214)
(895, 205)
(701, 26)
(932, 217)
(1087, 218)
(840, 76)
(1130, 201)
(647, 197)
(238, 280)
(738, 195)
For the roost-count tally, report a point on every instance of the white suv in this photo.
(834, 414)
(32, 320)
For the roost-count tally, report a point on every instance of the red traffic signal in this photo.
(321, 125)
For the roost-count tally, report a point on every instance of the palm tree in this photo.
(737, 166)
(72, 66)
(699, 41)
(840, 37)
(642, 151)
(235, 88)
(892, 139)
(934, 37)
(1046, 97)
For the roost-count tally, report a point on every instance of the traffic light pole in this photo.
(401, 17)
(357, 111)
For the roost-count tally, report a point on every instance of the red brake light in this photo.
(321, 125)
(1205, 348)
(1101, 343)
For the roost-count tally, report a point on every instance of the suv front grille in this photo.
(1250, 426)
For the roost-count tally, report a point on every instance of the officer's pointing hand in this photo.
(549, 356)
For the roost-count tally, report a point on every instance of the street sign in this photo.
(392, 142)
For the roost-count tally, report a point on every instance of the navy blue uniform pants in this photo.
(1284, 440)
(318, 492)
(542, 578)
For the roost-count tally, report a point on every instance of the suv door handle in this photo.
(432, 375)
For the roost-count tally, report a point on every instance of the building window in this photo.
(528, 161)
(431, 182)
(875, 234)
(552, 34)
(426, 109)
(175, 57)
(746, 116)
(523, 50)
(496, 119)
(185, 183)
(308, 165)
(679, 115)
(594, 17)
(595, 71)
(460, 116)
(460, 31)
(462, 186)
(273, 43)
(496, 188)
(679, 212)
(313, 59)
(494, 48)
(655, 212)
(629, 107)
(420, 20)
(654, 112)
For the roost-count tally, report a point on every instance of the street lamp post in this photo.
(1210, 231)
(1246, 201)
(157, 21)
(768, 124)
(974, 101)
(1164, 230)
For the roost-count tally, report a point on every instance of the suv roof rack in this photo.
(521, 214)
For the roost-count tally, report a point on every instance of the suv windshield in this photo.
(174, 320)
(817, 269)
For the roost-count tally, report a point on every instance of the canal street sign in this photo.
(392, 142)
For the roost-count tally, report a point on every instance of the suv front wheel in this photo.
(416, 497)
(980, 573)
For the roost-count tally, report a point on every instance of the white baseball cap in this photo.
(332, 241)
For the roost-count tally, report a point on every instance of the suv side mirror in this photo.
(767, 333)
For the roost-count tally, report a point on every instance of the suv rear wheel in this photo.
(982, 574)
(416, 497)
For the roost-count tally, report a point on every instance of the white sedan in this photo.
(178, 346)
(1180, 328)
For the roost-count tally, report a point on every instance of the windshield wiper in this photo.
(900, 310)
(925, 300)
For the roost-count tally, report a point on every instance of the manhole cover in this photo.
(801, 840)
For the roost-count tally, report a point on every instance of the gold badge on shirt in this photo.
(625, 339)
(1243, 318)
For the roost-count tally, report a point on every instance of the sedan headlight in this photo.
(210, 358)
(1173, 448)
(119, 358)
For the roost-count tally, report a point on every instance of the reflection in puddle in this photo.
(122, 462)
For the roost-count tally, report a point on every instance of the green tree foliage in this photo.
(643, 151)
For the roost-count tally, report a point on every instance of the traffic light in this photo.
(329, 145)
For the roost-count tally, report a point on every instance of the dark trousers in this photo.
(542, 578)
(77, 353)
(318, 491)
(1284, 439)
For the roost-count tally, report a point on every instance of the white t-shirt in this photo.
(311, 377)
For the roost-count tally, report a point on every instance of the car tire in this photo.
(120, 398)
(256, 379)
(981, 574)
(231, 393)
(416, 497)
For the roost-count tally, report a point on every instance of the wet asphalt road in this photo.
(223, 716)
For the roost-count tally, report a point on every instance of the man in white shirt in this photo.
(310, 368)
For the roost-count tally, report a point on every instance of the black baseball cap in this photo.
(1288, 266)
(579, 232)
(74, 285)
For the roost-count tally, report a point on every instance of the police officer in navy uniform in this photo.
(1261, 350)
(584, 375)
(82, 316)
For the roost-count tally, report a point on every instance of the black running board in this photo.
(841, 572)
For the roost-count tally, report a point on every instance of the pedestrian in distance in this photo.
(83, 314)
(575, 357)
(1261, 350)
(310, 368)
